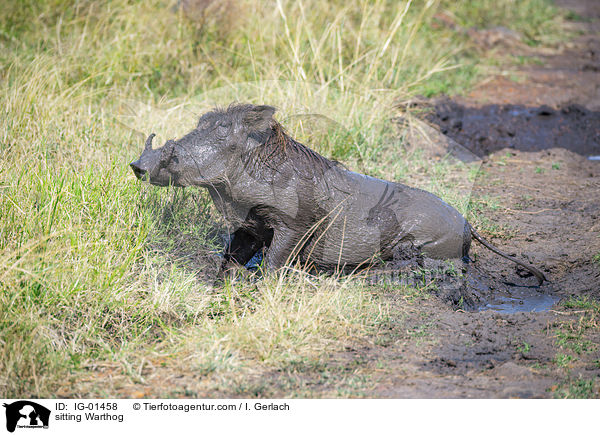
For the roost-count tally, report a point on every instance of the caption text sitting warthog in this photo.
(280, 195)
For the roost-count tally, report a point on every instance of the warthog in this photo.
(280, 195)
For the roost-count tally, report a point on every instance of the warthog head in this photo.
(210, 153)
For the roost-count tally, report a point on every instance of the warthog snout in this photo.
(137, 170)
(149, 162)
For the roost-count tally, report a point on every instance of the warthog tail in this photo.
(539, 275)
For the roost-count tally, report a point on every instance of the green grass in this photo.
(562, 360)
(575, 338)
(583, 303)
(524, 348)
(105, 281)
(528, 60)
(534, 20)
(579, 388)
(575, 342)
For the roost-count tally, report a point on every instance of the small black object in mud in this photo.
(280, 195)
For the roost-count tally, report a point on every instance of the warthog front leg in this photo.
(242, 247)
(283, 244)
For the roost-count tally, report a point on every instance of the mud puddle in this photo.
(489, 128)
(527, 303)
(483, 293)
(477, 292)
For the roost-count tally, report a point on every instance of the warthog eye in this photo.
(223, 129)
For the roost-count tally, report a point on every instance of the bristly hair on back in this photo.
(278, 151)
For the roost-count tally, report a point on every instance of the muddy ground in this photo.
(535, 134)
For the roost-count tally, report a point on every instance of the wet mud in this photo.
(489, 128)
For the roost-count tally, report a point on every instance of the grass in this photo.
(583, 303)
(104, 282)
(562, 360)
(576, 338)
(527, 60)
(524, 348)
(531, 19)
(575, 343)
(579, 388)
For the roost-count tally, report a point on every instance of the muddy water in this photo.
(483, 291)
(526, 302)
(488, 128)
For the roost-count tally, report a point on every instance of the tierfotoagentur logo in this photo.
(25, 414)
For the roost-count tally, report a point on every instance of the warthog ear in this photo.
(167, 152)
(259, 118)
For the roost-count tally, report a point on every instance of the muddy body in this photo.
(342, 219)
(276, 194)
